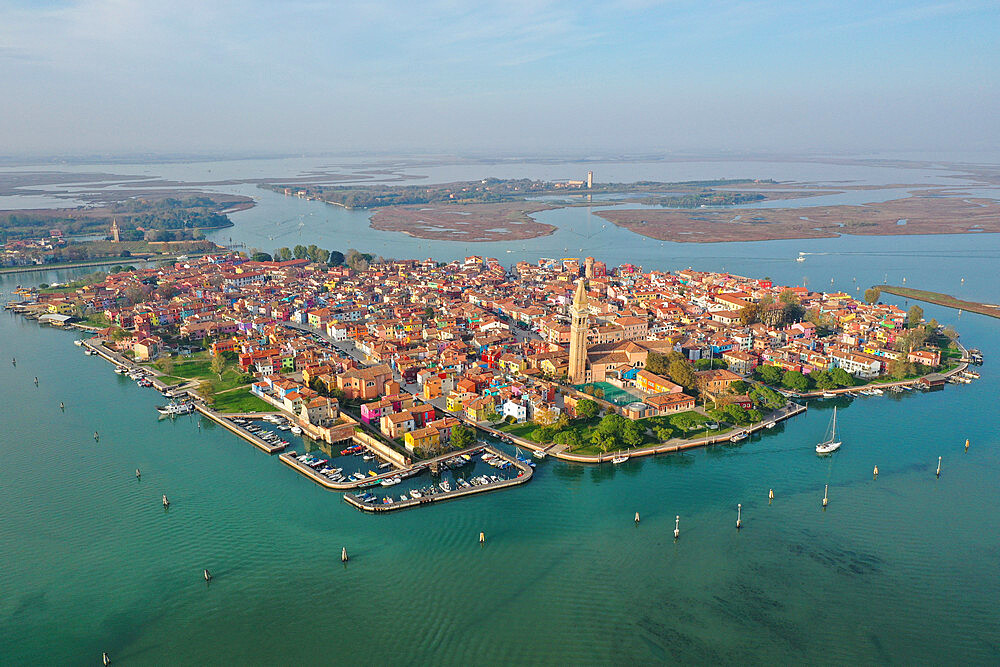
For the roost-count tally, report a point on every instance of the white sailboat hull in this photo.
(827, 447)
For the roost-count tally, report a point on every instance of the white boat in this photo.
(769, 425)
(391, 481)
(297, 430)
(800, 258)
(416, 494)
(78, 342)
(829, 394)
(121, 370)
(175, 409)
(619, 458)
(738, 436)
(831, 444)
(539, 454)
(445, 486)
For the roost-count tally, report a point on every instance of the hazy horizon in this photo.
(531, 78)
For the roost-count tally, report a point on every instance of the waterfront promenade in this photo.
(669, 447)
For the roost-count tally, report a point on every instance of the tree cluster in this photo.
(616, 432)
(673, 366)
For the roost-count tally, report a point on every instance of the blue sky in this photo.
(622, 76)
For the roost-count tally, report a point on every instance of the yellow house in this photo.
(62, 307)
(511, 363)
(456, 400)
(554, 367)
(426, 439)
(479, 407)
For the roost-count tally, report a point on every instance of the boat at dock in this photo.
(736, 437)
(619, 458)
(830, 444)
(539, 454)
(174, 409)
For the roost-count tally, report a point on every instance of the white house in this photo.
(517, 409)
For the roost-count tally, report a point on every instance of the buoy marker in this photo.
(966, 444)
(770, 496)
(739, 516)
(482, 538)
(166, 503)
(677, 526)
(826, 495)
(875, 473)
(138, 475)
(938, 473)
(637, 517)
(343, 555)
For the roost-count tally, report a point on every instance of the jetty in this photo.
(409, 471)
(524, 475)
(228, 424)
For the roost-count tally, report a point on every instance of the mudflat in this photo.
(910, 215)
(506, 221)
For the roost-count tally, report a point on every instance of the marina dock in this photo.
(224, 420)
(524, 476)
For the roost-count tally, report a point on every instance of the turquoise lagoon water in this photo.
(903, 569)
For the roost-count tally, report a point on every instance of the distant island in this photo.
(496, 190)
(911, 215)
(140, 228)
(148, 218)
(493, 209)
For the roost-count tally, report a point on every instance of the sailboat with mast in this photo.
(831, 444)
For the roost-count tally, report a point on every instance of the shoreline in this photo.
(941, 299)
(109, 262)
(554, 450)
